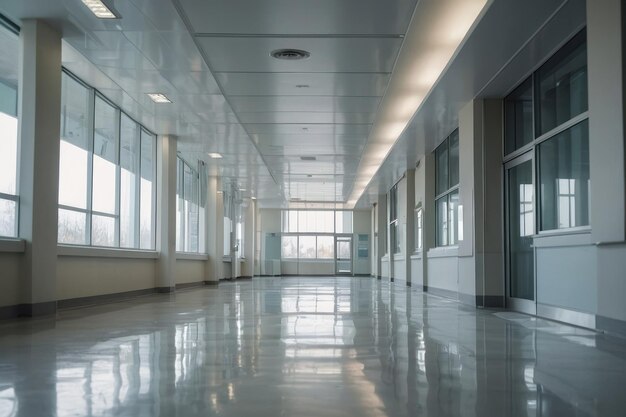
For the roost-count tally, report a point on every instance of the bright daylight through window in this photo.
(310, 234)
(9, 200)
(107, 173)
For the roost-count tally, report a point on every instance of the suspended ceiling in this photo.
(212, 58)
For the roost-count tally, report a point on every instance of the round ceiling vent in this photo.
(290, 54)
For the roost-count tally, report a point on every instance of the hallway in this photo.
(305, 346)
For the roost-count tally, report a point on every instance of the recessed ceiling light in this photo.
(302, 86)
(290, 54)
(242, 189)
(159, 98)
(253, 197)
(215, 155)
(101, 9)
(308, 158)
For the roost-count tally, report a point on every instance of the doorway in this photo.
(343, 255)
(520, 228)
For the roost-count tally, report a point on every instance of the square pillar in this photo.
(39, 128)
(166, 214)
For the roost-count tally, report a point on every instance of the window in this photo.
(419, 228)
(559, 138)
(393, 219)
(564, 183)
(9, 200)
(106, 174)
(310, 234)
(187, 208)
(447, 188)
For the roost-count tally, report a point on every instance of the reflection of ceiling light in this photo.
(436, 32)
(159, 98)
(215, 155)
(101, 10)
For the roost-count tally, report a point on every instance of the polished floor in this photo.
(305, 347)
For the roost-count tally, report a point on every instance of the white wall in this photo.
(9, 282)
(189, 271)
(85, 276)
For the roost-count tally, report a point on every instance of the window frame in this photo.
(182, 228)
(12, 28)
(533, 147)
(94, 94)
(452, 188)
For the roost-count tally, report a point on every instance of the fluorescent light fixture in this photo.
(101, 9)
(215, 155)
(242, 189)
(253, 197)
(159, 98)
(437, 30)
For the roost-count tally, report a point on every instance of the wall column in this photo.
(606, 60)
(39, 108)
(381, 220)
(481, 282)
(409, 235)
(212, 271)
(166, 214)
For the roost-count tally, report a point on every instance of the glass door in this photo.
(343, 255)
(520, 222)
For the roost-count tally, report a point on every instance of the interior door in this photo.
(521, 224)
(343, 255)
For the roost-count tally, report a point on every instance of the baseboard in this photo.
(408, 283)
(610, 325)
(211, 282)
(29, 310)
(441, 292)
(165, 290)
(190, 285)
(362, 275)
(101, 299)
(245, 277)
(379, 277)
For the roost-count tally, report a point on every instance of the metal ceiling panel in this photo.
(307, 117)
(297, 84)
(299, 16)
(304, 104)
(244, 54)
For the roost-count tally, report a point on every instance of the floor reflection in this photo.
(305, 347)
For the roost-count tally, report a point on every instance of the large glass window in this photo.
(310, 234)
(393, 219)
(419, 228)
(106, 173)
(9, 44)
(559, 137)
(561, 85)
(187, 208)
(447, 186)
(564, 179)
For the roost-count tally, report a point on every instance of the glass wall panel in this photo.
(129, 182)
(289, 247)
(441, 161)
(74, 162)
(9, 143)
(105, 157)
(454, 158)
(454, 222)
(343, 221)
(325, 247)
(564, 179)
(307, 247)
(518, 114)
(147, 203)
(8, 218)
(562, 86)
(72, 227)
(442, 221)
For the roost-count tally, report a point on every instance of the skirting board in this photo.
(184, 285)
(102, 299)
(28, 310)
